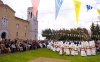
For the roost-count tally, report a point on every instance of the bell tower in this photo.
(33, 26)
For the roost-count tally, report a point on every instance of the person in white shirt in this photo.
(51, 45)
(88, 50)
(76, 49)
(67, 49)
(93, 48)
(54, 46)
(72, 48)
(61, 48)
(83, 53)
(65, 46)
(58, 46)
(79, 47)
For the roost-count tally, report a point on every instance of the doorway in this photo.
(3, 35)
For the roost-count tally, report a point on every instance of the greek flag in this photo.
(58, 4)
(89, 7)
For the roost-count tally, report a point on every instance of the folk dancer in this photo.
(67, 49)
(61, 48)
(88, 49)
(83, 53)
(76, 49)
(72, 48)
(93, 48)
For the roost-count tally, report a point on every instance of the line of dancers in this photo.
(86, 48)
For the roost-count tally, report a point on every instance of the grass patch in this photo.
(32, 54)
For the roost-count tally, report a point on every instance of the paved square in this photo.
(41, 59)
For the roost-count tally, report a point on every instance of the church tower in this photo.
(33, 26)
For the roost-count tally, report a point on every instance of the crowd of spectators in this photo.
(18, 45)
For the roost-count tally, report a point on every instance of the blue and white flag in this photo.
(89, 7)
(58, 4)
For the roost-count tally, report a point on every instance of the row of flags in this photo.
(58, 4)
(76, 35)
(77, 6)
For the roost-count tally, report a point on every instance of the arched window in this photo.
(25, 27)
(31, 15)
(28, 14)
(4, 21)
(17, 26)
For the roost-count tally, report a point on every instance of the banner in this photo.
(35, 4)
(58, 4)
(77, 9)
(89, 7)
(98, 11)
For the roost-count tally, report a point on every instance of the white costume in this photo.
(61, 48)
(88, 50)
(67, 49)
(58, 46)
(72, 49)
(93, 48)
(54, 46)
(51, 45)
(76, 49)
(83, 53)
(64, 46)
(79, 47)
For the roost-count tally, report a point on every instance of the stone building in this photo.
(12, 27)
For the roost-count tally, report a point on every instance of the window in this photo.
(4, 21)
(25, 34)
(35, 37)
(5, 9)
(31, 15)
(16, 34)
(25, 27)
(17, 26)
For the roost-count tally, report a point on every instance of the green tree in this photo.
(47, 33)
(92, 28)
(95, 31)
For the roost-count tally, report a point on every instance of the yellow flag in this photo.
(77, 9)
(98, 11)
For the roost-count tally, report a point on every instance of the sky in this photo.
(66, 17)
